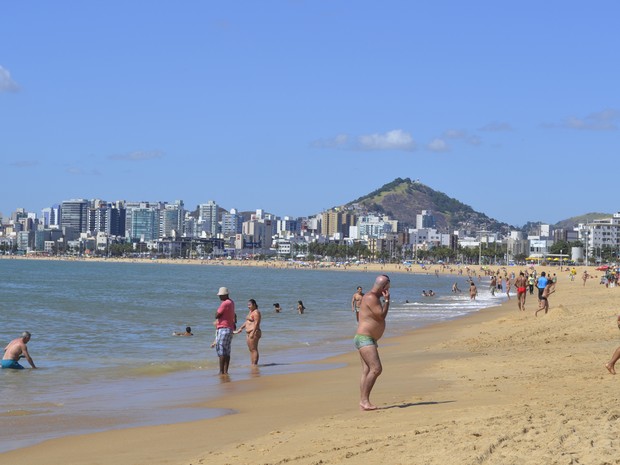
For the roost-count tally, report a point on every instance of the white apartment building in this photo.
(599, 234)
(374, 226)
(207, 217)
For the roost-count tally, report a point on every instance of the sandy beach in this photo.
(497, 387)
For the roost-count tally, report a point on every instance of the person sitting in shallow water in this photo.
(188, 332)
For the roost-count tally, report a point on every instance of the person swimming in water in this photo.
(188, 332)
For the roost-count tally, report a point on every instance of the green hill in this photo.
(403, 199)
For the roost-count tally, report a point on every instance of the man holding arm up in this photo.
(370, 328)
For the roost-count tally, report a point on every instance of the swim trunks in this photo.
(11, 364)
(521, 290)
(361, 340)
(223, 342)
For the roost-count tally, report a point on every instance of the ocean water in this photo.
(102, 336)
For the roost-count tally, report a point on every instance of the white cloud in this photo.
(605, 120)
(457, 134)
(438, 145)
(340, 141)
(6, 83)
(138, 156)
(599, 121)
(391, 140)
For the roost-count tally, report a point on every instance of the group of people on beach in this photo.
(370, 309)
(226, 325)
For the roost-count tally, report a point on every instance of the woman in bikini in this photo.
(252, 330)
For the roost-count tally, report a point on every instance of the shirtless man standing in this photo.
(356, 301)
(370, 328)
(521, 285)
(15, 350)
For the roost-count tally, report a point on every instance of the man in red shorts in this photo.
(521, 285)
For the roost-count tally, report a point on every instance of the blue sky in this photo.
(297, 106)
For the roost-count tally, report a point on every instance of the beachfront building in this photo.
(539, 247)
(373, 226)
(144, 224)
(258, 232)
(335, 222)
(171, 219)
(132, 208)
(231, 223)
(389, 246)
(74, 218)
(106, 217)
(601, 238)
(208, 217)
(25, 241)
(427, 238)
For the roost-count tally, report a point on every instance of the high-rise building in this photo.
(208, 217)
(74, 218)
(171, 219)
(334, 222)
(231, 223)
(144, 224)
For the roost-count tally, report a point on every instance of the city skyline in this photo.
(295, 107)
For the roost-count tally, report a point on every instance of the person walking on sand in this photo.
(225, 325)
(521, 285)
(611, 365)
(585, 276)
(543, 303)
(15, 350)
(252, 330)
(508, 287)
(356, 301)
(370, 328)
(541, 283)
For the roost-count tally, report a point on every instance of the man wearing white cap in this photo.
(225, 325)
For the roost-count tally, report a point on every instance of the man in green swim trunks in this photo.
(15, 350)
(370, 328)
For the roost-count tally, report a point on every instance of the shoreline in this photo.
(238, 402)
(447, 269)
(480, 371)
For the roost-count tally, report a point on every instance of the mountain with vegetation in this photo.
(403, 199)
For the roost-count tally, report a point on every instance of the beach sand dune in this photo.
(498, 387)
